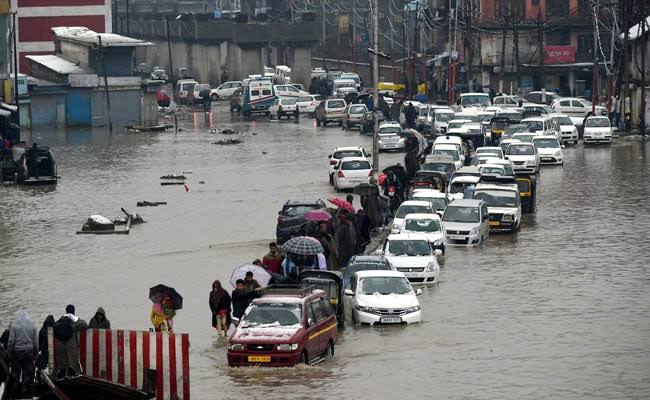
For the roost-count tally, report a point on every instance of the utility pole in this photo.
(503, 51)
(375, 80)
(540, 51)
(16, 69)
(626, 77)
(515, 44)
(407, 53)
(108, 98)
(128, 30)
(322, 44)
(594, 67)
(643, 54)
(416, 47)
(354, 35)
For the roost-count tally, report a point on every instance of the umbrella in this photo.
(303, 245)
(341, 203)
(422, 98)
(318, 215)
(260, 274)
(166, 291)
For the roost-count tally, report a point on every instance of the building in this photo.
(69, 86)
(36, 18)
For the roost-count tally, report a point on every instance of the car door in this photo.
(312, 327)
(485, 224)
(578, 109)
(318, 338)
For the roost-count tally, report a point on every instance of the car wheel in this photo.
(575, 141)
(317, 122)
(304, 358)
(214, 97)
(340, 124)
(331, 179)
(329, 353)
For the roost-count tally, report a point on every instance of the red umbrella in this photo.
(318, 215)
(341, 203)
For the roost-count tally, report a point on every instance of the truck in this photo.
(258, 96)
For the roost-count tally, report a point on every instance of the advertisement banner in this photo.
(559, 54)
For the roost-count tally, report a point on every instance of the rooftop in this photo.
(83, 35)
(60, 65)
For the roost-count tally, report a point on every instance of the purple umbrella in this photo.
(318, 215)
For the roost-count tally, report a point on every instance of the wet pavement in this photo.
(559, 310)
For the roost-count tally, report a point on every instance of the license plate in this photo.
(390, 320)
(456, 237)
(259, 358)
(495, 223)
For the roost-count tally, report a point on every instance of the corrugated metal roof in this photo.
(60, 65)
(81, 34)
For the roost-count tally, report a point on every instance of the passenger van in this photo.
(185, 90)
(259, 95)
(466, 222)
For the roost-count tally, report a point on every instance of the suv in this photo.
(576, 107)
(504, 205)
(225, 90)
(466, 222)
(331, 110)
(291, 218)
(412, 255)
(284, 327)
(540, 125)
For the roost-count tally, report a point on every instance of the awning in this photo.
(566, 65)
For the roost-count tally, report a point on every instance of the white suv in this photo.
(383, 297)
(343, 152)
(411, 254)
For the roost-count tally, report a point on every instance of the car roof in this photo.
(445, 146)
(490, 165)
(465, 203)
(534, 119)
(391, 124)
(422, 216)
(466, 179)
(348, 148)
(379, 259)
(468, 169)
(428, 193)
(408, 236)
(288, 295)
(501, 161)
(511, 140)
(464, 121)
(597, 117)
(346, 159)
(491, 186)
(448, 138)
(520, 134)
(523, 143)
(415, 203)
(302, 202)
(379, 273)
(497, 148)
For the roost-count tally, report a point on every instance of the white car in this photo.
(383, 297)
(505, 101)
(449, 150)
(504, 205)
(536, 109)
(390, 137)
(457, 126)
(411, 254)
(524, 157)
(284, 107)
(504, 143)
(462, 186)
(307, 104)
(493, 151)
(576, 107)
(289, 91)
(441, 120)
(343, 152)
(428, 224)
(492, 169)
(352, 171)
(549, 149)
(410, 207)
(507, 165)
(525, 137)
(437, 199)
(597, 130)
(540, 125)
(568, 130)
(466, 222)
(225, 90)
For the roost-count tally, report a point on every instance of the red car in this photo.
(162, 98)
(284, 327)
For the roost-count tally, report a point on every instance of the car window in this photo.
(597, 123)
(266, 92)
(404, 210)
(355, 165)
(327, 308)
(318, 310)
(357, 109)
(576, 103)
(422, 225)
(272, 314)
(410, 248)
(461, 214)
(288, 102)
(295, 211)
(520, 150)
(311, 317)
(336, 104)
(255, 92)
(347, 153)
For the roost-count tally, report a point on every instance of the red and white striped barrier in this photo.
(122, 357)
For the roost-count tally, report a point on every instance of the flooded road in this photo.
(560, 310)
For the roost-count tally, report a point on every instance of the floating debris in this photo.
(182, 177)
(123, 220)
(100, 225)
(227, 141)
(201, 182)
(228, 131)
(264, 152)
(171, 183)
(150, 203)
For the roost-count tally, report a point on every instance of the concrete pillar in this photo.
(300, 65)
(251, 61)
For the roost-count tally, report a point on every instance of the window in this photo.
(576, 103)
(266, 92)
(327, 308)
(318, 310)
(565, 103)
(311, 318)
(255, 92)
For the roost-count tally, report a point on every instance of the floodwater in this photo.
(559, 310)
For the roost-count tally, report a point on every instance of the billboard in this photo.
(559, 54)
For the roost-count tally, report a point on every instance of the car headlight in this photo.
(287, 347)
(437, 242)
(473, 232)
(235, 346)
(557, 153)
(431, 266)
(412, 309)
(575, 131)
(365, 309)
(508, 218)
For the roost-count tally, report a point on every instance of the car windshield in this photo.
(520, 150)
(288, 102)
(437, 203)
(422, 225)
(404, 210)
(272, 314)
(347, 153)
(355, 165)
(305, 99)
(390, 130)
(384, 285)
(526, 138)
(336, 104)
(358, 109)
(296, 211)
(444, 117)
(512, 129)
(492, 170)
(437, 167)
(546, 143)
(534, 126)
(198, 88)
(488, 151)
(497, 198)
(409, 248)
(563, 120)
(455, 125)
(470, 100)
(460, 187)
(461, 214)
(597, 123)
(449, 153)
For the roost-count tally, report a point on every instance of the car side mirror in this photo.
(563, 146)
(330, 156)
(349, 292)
(310, 322)
(418, 292)
(438, 252)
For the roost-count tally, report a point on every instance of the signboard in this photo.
(344, 25)
(559, 54)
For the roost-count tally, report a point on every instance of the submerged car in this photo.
(597, 130)
(428, 224)
(524, 157)
(549, 149)
(466, 222)
(437, 198)
(383, 297)
(291, 220)
(411, 207)
(411, 254)
(284, 327)
(504, 206)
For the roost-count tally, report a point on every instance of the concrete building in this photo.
(68, 87)
(36, 18)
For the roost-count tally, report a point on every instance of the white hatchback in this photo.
(308, 104)
(597, 130)
(410, 207)
(352, 171)
(284, 107)
(383, 297)
(524, 157)
(343, 152)
(411, 254)
(549, 149)
(428, 224)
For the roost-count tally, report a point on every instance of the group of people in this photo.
(26, 348)
(226, 306)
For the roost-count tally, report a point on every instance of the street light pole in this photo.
(16, 68)
(375, 80)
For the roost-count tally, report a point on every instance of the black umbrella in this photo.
(166, 291)
(204, 93)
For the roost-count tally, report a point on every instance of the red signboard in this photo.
(559, 54)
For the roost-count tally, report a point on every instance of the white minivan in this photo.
(466, 222)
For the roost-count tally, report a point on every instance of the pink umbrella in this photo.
(318, 215)
(341, 203)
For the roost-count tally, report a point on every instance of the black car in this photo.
(368, 123)
(363, 263)
(291, 219)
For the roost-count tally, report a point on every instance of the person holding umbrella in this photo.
(220, 306)
(166, 301)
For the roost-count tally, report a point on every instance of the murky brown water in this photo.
(561, 310)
